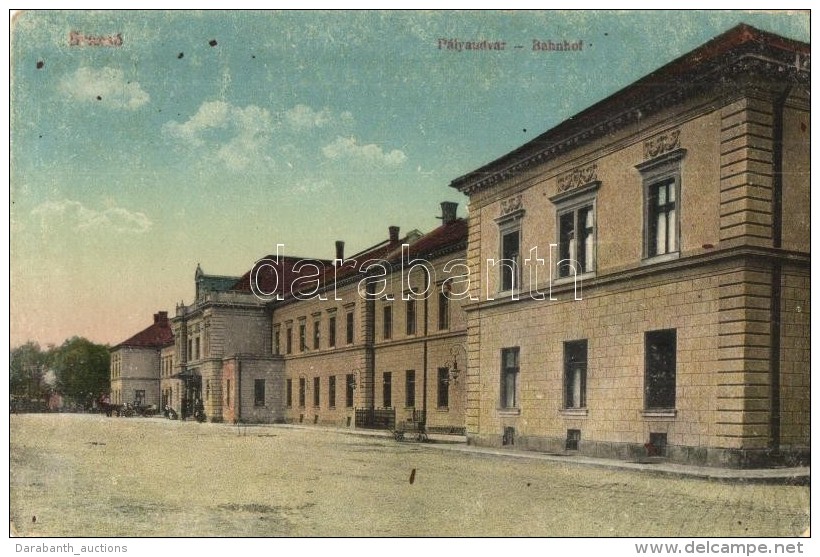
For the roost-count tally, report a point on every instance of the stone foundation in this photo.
(695, 456)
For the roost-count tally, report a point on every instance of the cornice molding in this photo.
(694, 262)
(773, 65)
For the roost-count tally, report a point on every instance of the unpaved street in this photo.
(87, 475)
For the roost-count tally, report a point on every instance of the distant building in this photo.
(303, 340)
(252, 381)
(369, 349)
(136, 364)
(222, 322)
(645, 268)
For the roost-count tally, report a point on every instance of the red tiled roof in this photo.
(352, 266)
(276, 275)
(157, 335)
(447, 237)
(444, 239)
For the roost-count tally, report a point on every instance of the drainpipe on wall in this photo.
(777, 241)
(424, 351)
(238, 398)
(369, 339)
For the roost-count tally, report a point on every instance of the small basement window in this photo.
(573, 438)
(656, 445)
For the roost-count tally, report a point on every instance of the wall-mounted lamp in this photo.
(452, 366)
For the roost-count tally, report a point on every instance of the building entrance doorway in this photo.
(191, 394)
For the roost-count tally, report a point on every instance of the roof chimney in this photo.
(340, 250)
(394, 234)
(448, 211)
(161, 317)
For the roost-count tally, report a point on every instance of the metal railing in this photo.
(375, 418)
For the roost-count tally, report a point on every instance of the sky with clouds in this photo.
(210, 137)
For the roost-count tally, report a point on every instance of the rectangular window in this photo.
(662, 218)
(411, 316)
(190, 349)
(576, 241)
(196, 348)
(387, 314)
(259, 392)
(331, 391)
(410, 388)
(228, 393)
(659, 382)
(276, 342)
(575, 374)
(443, 387)
(443, 311)
(139, 397)
(387, 389)
(302, 389)
(350, 385)
(289, 340)
(510, 263)
(316, 325)
(331, 331)
(302, 343)
(350, 327)
(289, 393)
(316, 390)
(509, 377)
(661, 210)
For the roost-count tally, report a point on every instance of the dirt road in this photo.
(88, 475)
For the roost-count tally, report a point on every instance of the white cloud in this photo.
(210, 115)
(238, 136)
(302, 117)
(106, 86)
(348, 148)
(81, 218)
(308, 186)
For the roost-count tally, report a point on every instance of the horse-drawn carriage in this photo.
(127, 410)
(415, 424)
(107, 407)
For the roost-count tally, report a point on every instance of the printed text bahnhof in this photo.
(459, 45)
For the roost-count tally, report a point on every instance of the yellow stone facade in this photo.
(693, 203)
(402, 367)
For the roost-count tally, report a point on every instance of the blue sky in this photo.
(132, 164)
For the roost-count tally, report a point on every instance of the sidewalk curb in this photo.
(455, 443)
(777, 476)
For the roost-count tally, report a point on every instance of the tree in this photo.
(81, 368)
(28, 365)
